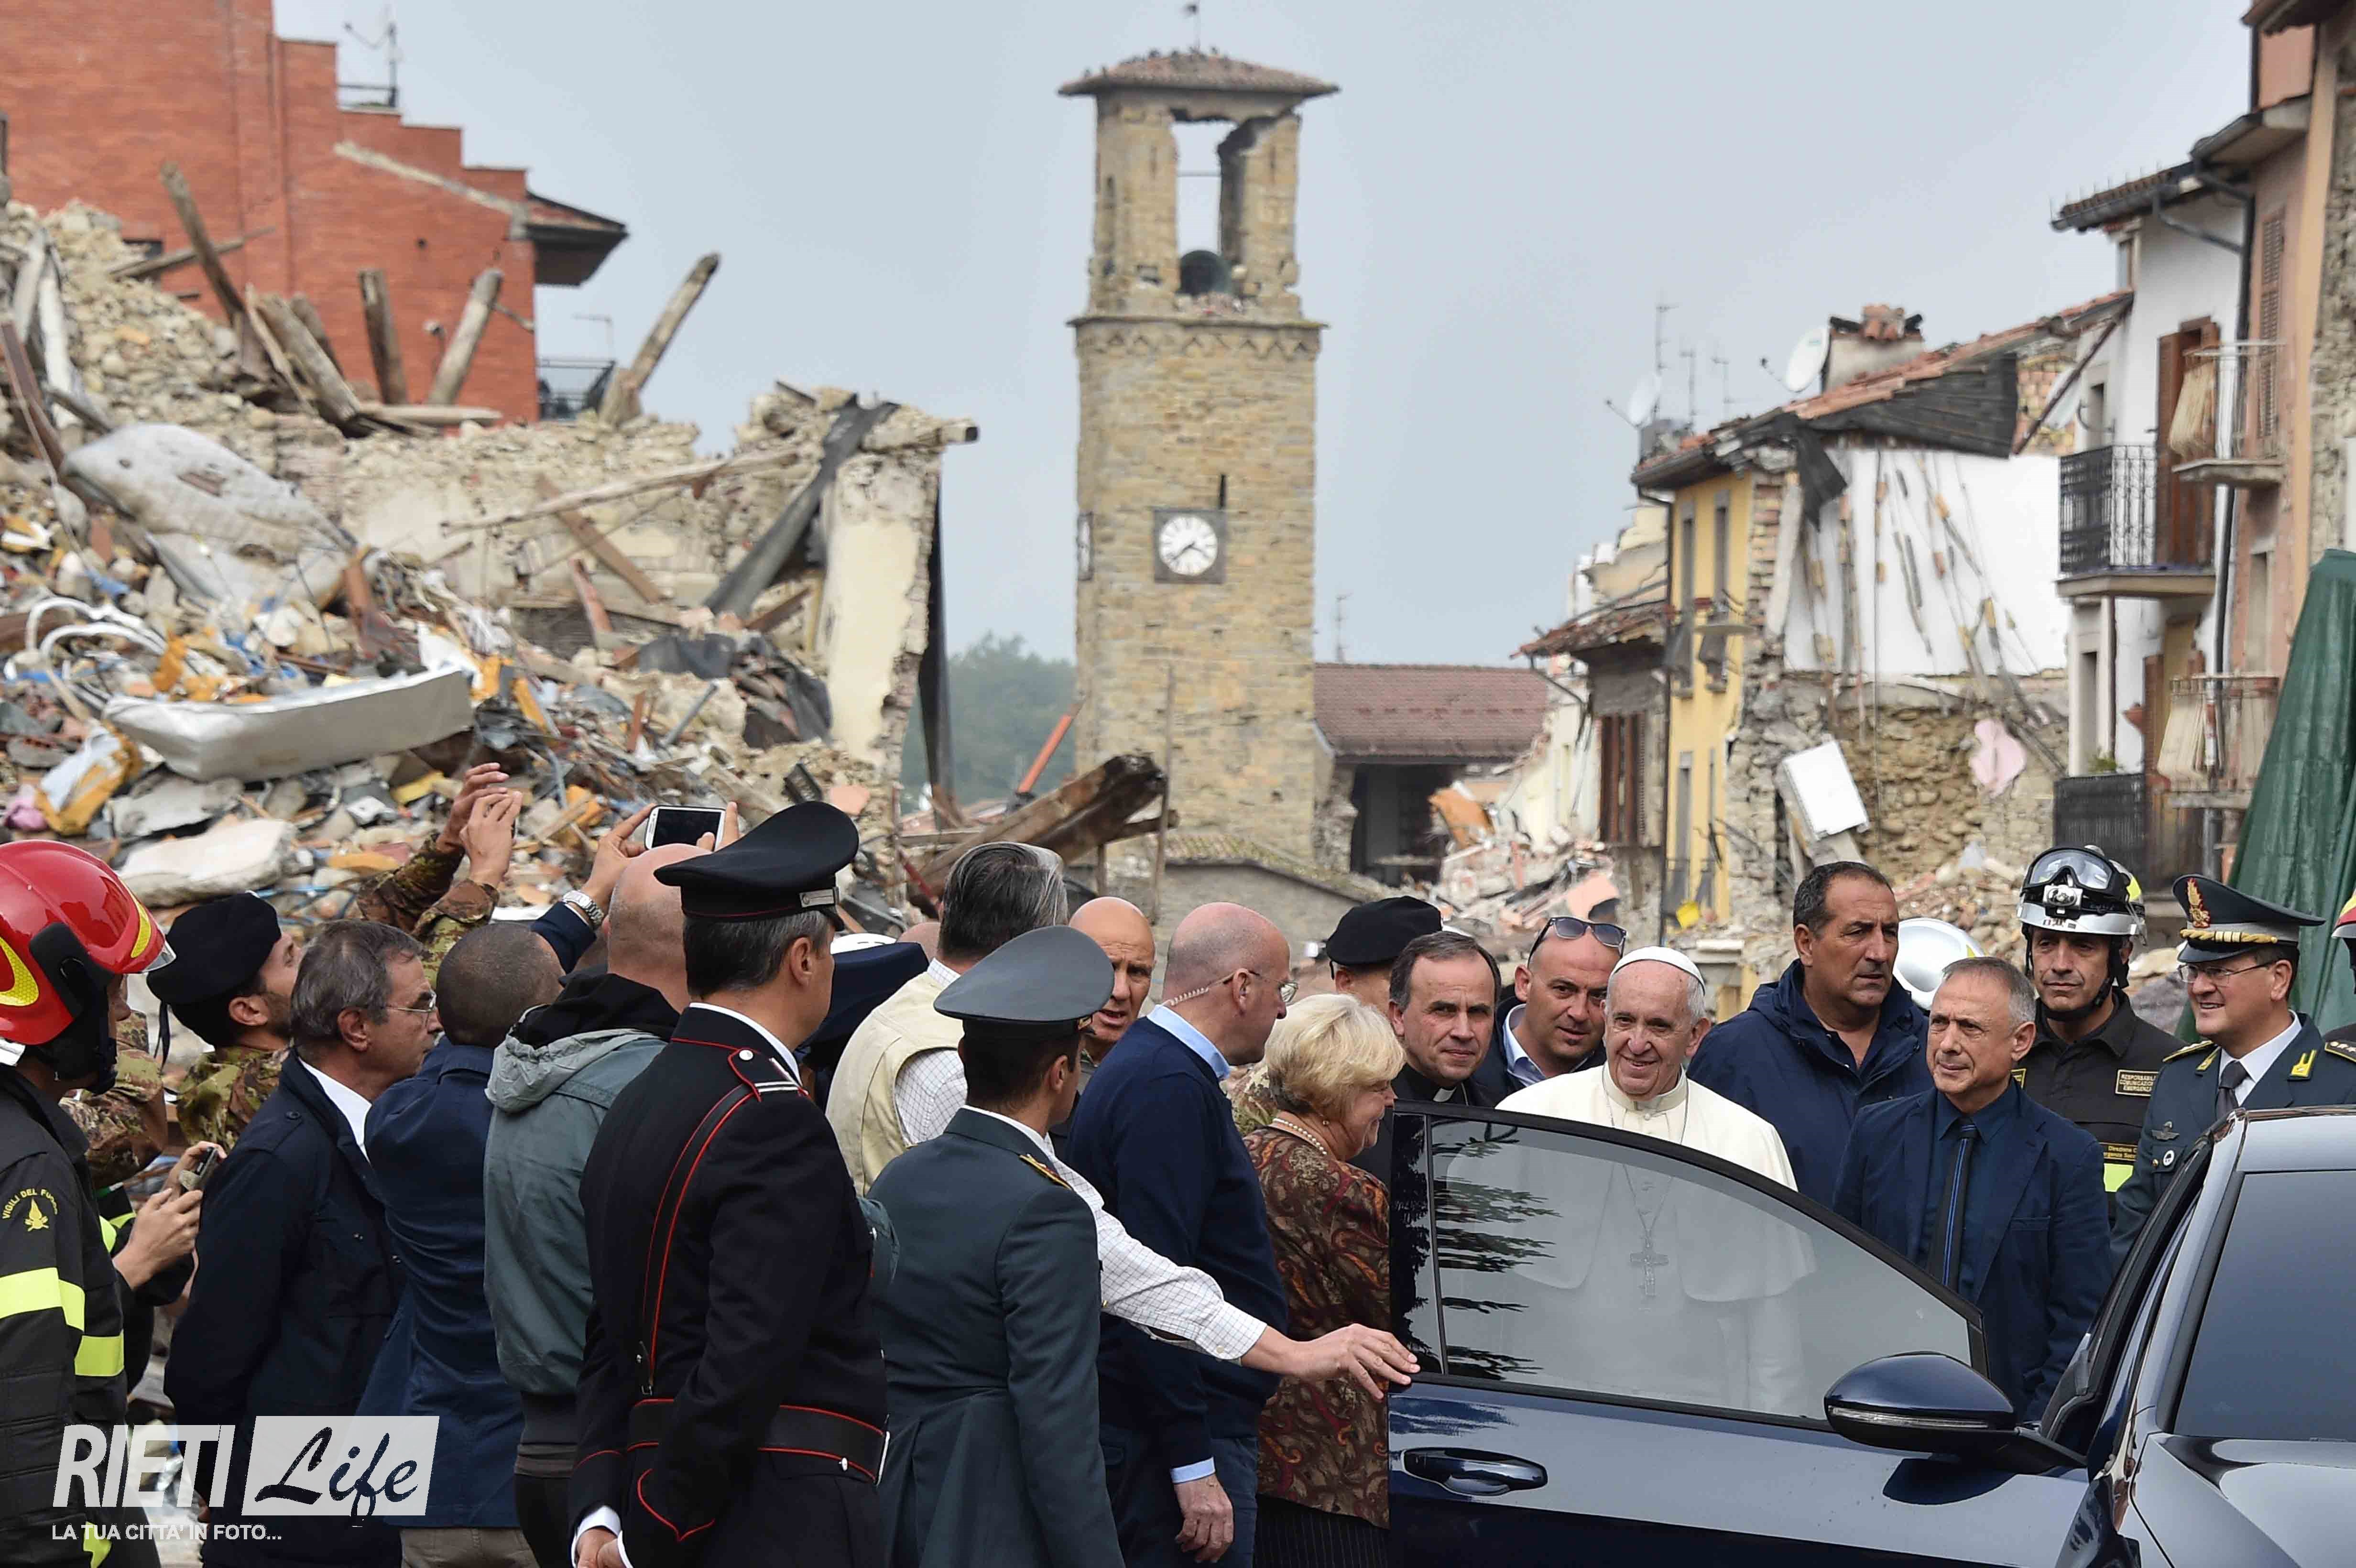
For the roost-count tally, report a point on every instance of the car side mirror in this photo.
(1923, 1403)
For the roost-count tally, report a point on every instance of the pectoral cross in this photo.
(1645, 1258)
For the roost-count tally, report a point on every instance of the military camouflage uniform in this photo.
(420, 898)
(120, 1142)
(223, 1093)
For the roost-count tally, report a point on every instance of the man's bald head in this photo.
(1121, 929)
(646, 931)
(1226, 976)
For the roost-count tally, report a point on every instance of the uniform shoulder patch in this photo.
(2341, 1047)
(2196, 1046)
(1043, 1168)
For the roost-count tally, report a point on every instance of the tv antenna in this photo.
(1725, 385)
(389, 42)
(585, 316)
(1193, 10)
(1340, 650)
(1693, 406)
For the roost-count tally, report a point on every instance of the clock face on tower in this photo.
(1190, 545)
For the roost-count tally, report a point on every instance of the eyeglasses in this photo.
(2187, 973)
(432, 1005)
(1285, 989)
(1570, 928)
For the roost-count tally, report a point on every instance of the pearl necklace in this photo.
(1285, 1122)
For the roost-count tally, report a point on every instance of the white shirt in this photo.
(1518, 1064)
(1686, 1114)
(349, 1101)
(2258, 1060)
(1193, 1039)
(1042, 1145)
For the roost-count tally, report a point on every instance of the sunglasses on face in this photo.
(1570, 928)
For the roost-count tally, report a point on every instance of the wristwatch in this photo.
(585, 906)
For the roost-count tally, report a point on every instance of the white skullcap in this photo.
(1668, 956)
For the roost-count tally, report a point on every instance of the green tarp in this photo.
(2299, 841)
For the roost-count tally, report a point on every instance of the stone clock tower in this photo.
(1195, 542)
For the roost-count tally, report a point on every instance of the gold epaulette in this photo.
(1043, 1168)
(2197, 1045)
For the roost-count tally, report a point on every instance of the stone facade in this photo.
(1201, 401)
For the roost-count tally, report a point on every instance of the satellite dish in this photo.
(1808, 360)
(1645, 400)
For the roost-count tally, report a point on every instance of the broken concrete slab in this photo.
(320, 728)
(167, 802)
(229, 858)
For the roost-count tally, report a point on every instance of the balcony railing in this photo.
(2217, 731)
(2234, 392)
(2135, 821)
(569, 386)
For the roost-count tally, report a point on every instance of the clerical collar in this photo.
(1660, 1105)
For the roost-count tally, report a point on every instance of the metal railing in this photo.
(2246, 417)
(569, 386)
(2212, 753)
(2107, 514)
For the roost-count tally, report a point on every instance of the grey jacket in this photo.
(547, 1102)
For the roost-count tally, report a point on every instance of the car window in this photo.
(1581, 1263)
(2289, 1258)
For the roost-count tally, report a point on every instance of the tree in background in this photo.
(1004, 700)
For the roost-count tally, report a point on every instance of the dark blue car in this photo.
(1638, 1354)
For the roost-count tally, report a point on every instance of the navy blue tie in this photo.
(1947, 1240)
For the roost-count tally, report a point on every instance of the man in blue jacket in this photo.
(1155, 1134)
(296, 1275)
(425, 1141)
(1978, 1185)
(1835, 1034)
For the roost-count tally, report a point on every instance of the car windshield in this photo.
(1570, 1262)
(2289, 1259)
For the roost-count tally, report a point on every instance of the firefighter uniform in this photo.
(61, 1336)
(2102, 1082)
(732, 1396)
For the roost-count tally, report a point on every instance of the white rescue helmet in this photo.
(1925, 948)
(2082, 890)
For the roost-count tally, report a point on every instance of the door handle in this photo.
(1469, 1472)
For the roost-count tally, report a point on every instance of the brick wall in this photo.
(100, 93)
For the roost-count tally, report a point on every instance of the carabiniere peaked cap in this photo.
(2220, 921)
(786, 866)
(1045, 981)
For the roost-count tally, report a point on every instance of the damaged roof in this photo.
(570, 243)
(1846, 407)
(1429, 713)
(1235, 849)
(1197, 71)
(1607, 625)
(2137, 197)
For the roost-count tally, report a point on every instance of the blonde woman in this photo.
(1324, 1459)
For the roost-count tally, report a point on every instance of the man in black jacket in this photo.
(732, 1390)
(1443, 1006)
(297, 1276)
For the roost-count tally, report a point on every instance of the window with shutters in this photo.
(2270, 256)
(1620, 760)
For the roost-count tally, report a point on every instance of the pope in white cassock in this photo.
(1649, 1282)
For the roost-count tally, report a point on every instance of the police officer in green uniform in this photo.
(2239, 959)
(2094, 1062)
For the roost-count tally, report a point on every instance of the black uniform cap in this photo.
(217, 948)
(1042, 985)
(1376, 933)
(786, 866)
(2220, 921)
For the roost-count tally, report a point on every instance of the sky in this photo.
(1490, 210)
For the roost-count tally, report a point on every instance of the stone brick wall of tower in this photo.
(1258, 165)
(1167, 407)
(1135, 263)
(100, 94)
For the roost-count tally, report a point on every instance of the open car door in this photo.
(1627, 1346)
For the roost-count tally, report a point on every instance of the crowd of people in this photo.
(709, 1231)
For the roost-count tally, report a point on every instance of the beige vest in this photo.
(859, 1104)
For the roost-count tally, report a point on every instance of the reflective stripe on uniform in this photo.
(38, 1290)
(97, 1545)
(2118, 1164)
(101, 1356)
(108, 1229)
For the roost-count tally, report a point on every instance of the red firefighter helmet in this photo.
(66, 922)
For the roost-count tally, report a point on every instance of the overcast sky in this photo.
(1489, 210)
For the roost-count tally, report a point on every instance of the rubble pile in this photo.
(250, 647)
(1500, 888)
(1974, 893)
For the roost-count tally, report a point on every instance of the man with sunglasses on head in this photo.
(1556, 1023)
(2239, 961)
(2094, 1062)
